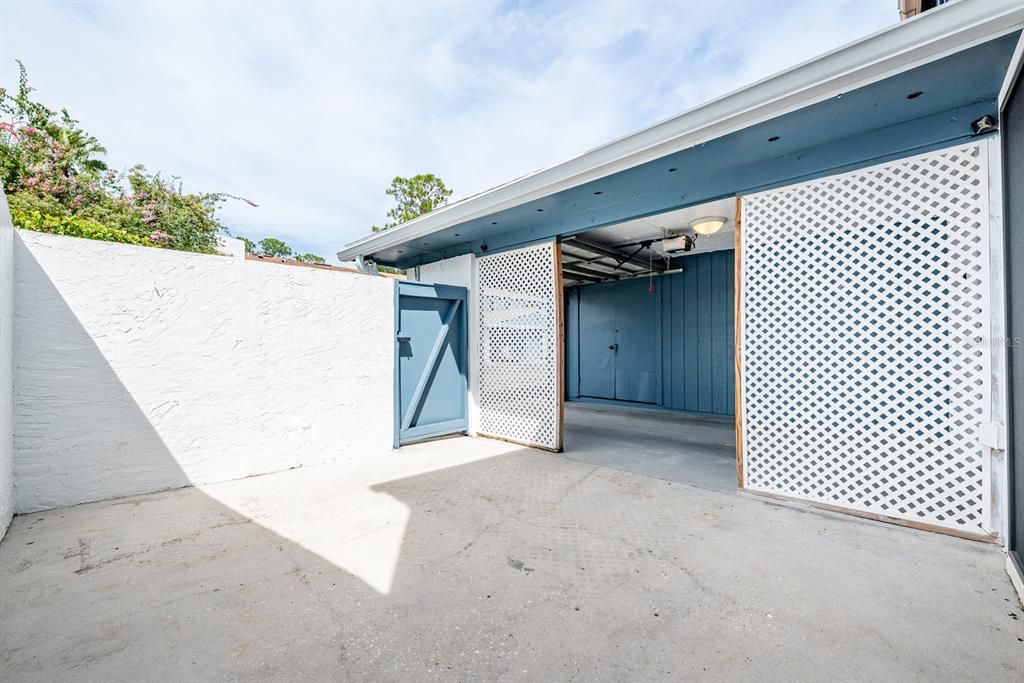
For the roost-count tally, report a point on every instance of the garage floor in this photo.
(469, 559)
(688, 448)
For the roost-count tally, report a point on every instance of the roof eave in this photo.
(922, 39)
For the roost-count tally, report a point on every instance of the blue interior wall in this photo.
(699, 326)
(572, 343)
(695, 319)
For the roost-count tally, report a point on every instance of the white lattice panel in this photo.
(865, 310)
(518, 326)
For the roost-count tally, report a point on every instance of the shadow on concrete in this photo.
(458, 559)
(522, 565)
(87, 438)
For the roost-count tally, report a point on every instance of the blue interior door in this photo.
(618, 341)
(596, 343)
(430, 349)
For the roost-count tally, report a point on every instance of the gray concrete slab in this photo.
(688, 448)
(473, 560)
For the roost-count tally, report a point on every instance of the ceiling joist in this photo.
(601, 262)
(588, 272)
(620, 257)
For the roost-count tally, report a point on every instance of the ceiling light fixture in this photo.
(708, 225)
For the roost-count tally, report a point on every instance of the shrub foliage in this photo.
(73, 226)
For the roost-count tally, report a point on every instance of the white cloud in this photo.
(310, 109)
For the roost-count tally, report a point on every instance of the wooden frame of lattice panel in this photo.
(521, 346)
(924, 217)
(560, 312)
(738, 336)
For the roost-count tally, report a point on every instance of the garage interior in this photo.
(650, 338)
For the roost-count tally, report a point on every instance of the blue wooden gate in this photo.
(430, 361)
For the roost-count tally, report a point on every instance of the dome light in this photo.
(708, 225)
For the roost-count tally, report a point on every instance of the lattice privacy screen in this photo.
(865, 311)
(519, 373)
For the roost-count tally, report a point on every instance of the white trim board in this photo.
(1012, 74)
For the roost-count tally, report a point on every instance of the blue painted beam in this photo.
(870, 125)
(725, 175)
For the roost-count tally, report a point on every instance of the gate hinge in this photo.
(992, 435)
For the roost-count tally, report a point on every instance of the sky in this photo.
(309, 109)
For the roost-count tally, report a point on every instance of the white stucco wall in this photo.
(6, 366)
(139, 369)
(230, 246)
(459, 271)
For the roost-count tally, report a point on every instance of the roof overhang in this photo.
(906, 46)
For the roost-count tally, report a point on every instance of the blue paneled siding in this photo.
(695, 318)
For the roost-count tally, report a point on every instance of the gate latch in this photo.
(992, 435)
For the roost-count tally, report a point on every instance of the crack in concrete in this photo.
(486, 530)
(569, 489)
(334, 615)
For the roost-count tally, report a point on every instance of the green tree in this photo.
(250, 246)
(310, 258)
(414, 197)
(271, 246)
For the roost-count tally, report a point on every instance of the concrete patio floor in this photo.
(467, 559)
(688, 448)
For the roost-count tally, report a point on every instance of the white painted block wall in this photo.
(6, 366)
(140, 369)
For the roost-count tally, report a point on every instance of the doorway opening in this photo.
(650, 340)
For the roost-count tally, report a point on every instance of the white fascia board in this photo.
(904, 46)
(1013, 73)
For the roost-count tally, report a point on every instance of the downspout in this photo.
(365, 267)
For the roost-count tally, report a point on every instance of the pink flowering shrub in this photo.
(50, 169)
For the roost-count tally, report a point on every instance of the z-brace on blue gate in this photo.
(431, 379)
